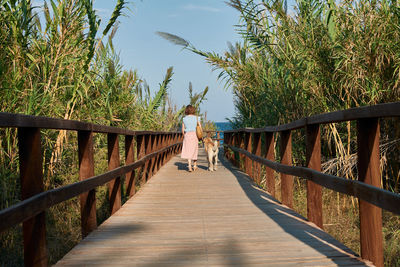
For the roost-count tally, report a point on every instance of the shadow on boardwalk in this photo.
(206, 218)
(306, 232)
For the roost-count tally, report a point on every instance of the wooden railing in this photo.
(153, 149)
(247, 142)
(215, 135)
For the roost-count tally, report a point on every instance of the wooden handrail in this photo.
(32, 206)
(379, 197)
(11, 120)
(153, 148)
(366, 188)
(217, 133)
(377, 111)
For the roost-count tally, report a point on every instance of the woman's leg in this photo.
(190, 165)
(194, 164)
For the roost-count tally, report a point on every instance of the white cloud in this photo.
(201, 8)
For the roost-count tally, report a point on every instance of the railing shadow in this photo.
(286, 218)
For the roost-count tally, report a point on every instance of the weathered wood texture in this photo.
(130, 180)
(377, 111)
(86, 170)
(40, 202)
(369, 172)
(270, 155)
(286, 159)
(372, 194)
(206, 219)
(29, 121)
(114, 186)
(313, 158)
(31, 173)
(257, 151)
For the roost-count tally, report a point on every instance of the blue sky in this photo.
(207, 24)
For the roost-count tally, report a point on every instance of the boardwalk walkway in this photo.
(206, 219)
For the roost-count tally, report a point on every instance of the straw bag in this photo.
(199, 132)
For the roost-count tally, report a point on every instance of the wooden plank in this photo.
(313, 161)
(286, 159)
(31, 174)
(368, 166)
(207, 219)
(86, 170)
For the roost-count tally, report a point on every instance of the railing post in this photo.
(369, 172)
(166, 143)
(270, 155)
(248, 161)
(180, 140)
(153, 161)
(241, 145)
(146, 149)
(236, 155)
(257, 152)
(171, 150)
(140, 143)
(130, 158)
(286, 158)
(177, 138)
(114, 186)
(161, 145)
(159, 156)
(162, 156)
(86, 170)
(169, 142)
(31, 174)
(156, 146)
(313, 158)
(227, 142)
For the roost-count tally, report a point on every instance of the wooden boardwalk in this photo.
(206, 219)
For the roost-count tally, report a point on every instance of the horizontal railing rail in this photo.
(32, 206)
(145, 153)
(11, 120)
(385, 110)
(246, 143)
(215, 135)
(379, 197)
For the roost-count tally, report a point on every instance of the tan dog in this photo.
(212, 153)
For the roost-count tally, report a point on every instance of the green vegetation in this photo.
(316, 57)
(63, 66)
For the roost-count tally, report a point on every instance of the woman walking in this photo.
(190, 147)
